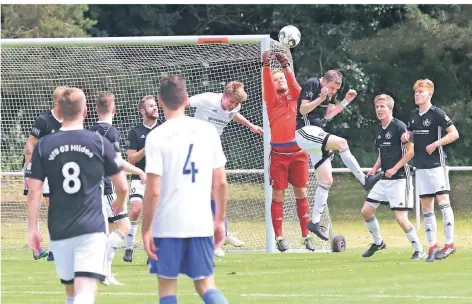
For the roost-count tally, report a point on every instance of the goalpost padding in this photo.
(130, 67)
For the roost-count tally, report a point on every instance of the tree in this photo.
(45, 21)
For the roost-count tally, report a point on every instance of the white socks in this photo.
(321, 199)
(374, 229)
(412, 236)
(114, 240)
(430, 227)
(70, 300)
(131, 235)
(448, 219)
(351, 162)
(84, 297)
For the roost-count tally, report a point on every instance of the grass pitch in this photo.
(389, 276)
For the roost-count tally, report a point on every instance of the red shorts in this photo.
(288, 168)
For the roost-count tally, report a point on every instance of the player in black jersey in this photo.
(395, 188)
(45, 124)
(426, 127)
(119, 225)
(314, 109)
(147, 107)
(75, 161)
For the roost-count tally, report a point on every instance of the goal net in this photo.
(30, 72)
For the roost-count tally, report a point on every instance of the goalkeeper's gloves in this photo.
(282, 59)
(266, 58)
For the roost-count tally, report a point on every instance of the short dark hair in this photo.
(333, 76)
(72, 103)
(172, 91)
(105, 102)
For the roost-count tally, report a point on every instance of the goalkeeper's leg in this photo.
(298, 177)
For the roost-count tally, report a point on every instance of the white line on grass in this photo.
(264, 295)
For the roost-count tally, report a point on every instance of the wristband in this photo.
(344, 102)
(285, 65)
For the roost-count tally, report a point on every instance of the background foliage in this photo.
(379, 48)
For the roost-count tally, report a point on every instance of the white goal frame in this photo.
(265, 43)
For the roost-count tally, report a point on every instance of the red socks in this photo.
(303, 211)
(277, 213)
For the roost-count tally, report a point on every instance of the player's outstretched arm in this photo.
(335, 110)
(268, 88)
(292, 82)
(410, 152)
(129, 168)
(245, 122)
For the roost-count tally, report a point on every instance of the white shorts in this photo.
(80, 256)
(398, 193)
(45, 188)
(313, 140)
(136, 190)
(107, 201)
(432, 182)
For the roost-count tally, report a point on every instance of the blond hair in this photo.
(388, 98)
(57, 94)
(235, 89)
(425, 84)
(72, 103)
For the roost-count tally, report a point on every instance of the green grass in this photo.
(389, 276)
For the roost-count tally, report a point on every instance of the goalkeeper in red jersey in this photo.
(288, 163)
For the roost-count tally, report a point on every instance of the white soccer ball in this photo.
(290, 36)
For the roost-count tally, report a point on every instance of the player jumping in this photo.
(147, 107)
(288, 163)
(45, 124)
(314, 110)
(117, 224)
(395, 188)
(185, 162)
(426, 127)
(219, 109)
(74, 161)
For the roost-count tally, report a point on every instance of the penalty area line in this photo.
(261, 295)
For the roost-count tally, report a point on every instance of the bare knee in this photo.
(341, 144)
(367, 211)
(83, 284)
(427, 204)
(135, 210)
(201, 286)
(123, 225)
(299, 192)
(69, 290)
(278, 195)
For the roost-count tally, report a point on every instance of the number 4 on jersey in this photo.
(192, 169)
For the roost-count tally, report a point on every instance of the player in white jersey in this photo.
(220, 109)
(184, 162)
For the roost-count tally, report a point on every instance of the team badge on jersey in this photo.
(426, 122)
(388, 135)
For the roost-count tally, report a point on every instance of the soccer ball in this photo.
(290, 36)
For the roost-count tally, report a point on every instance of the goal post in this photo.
(130, 67)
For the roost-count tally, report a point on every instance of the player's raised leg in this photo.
(336, 143)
